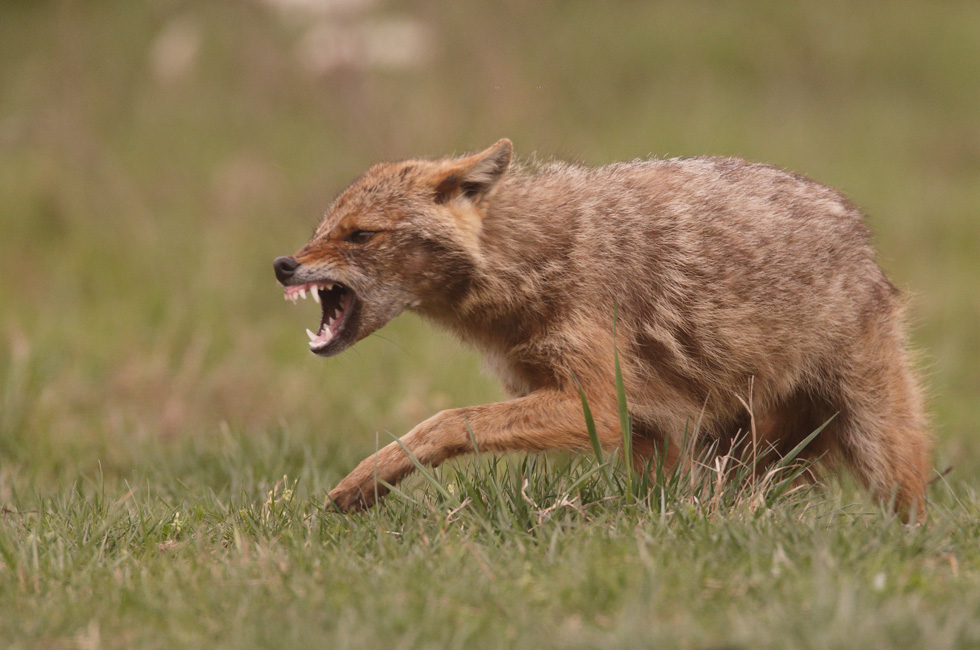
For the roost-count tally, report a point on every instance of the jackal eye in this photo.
(359, 237)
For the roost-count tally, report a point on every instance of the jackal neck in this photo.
(515, 287)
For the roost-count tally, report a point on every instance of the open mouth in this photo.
(336, 304)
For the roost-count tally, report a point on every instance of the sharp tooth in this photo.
(302, 292)
(311, 335)
(328, 286)
(322, 340)
(316, 294)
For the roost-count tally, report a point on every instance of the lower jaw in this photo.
(324, 341)
(343, 332)
(326, 345)
(324, 351)
(331, 349)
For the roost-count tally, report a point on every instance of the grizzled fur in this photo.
(739, 288)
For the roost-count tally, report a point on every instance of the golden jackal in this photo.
(746, 296)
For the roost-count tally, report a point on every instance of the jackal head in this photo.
(403, 235)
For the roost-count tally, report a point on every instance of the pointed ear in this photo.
(474, 176)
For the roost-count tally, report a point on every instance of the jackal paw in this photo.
(354, 496)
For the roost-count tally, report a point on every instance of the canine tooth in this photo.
(315, 293)
(311, 335)
(322, 340)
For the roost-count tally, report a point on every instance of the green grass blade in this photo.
(795, 451)
(625, 424)
(589, 421)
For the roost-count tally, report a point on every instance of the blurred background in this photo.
(156, 156)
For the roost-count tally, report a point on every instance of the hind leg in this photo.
(880, 430)
(889, 454)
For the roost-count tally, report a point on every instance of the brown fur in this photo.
(732, 281)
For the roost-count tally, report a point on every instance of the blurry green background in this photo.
(156, 156)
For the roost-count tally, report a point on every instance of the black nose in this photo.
(285, 267)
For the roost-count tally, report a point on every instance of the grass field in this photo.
(166, 440)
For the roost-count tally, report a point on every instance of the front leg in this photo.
(541, 421)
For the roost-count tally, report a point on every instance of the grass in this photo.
(539, 553)
(166, 442)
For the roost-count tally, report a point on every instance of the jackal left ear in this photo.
(474, 176)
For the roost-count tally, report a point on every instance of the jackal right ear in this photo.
(474, 176)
